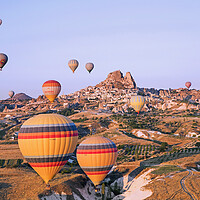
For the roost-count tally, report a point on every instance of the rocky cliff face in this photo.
(117, 80)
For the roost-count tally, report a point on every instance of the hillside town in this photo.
(111, 95)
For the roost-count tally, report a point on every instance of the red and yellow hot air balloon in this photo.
(73, 64)
(51, 89)
(137, 102)
(46, 142)
(188, 84)
(89, 67)
(96, 156)
(3, 60)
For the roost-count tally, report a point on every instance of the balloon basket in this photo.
(97, 189)
(48, 187)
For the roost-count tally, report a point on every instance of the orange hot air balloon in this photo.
(89, 67)
(3, 60)
(73, 64)
(96, 156)
(188, 84)
(51, 89)
(46, 142)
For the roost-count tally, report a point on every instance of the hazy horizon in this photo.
(158, 42)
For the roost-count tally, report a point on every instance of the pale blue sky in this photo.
(158, 41)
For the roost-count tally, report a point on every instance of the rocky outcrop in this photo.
(117, 80)
(22, 97)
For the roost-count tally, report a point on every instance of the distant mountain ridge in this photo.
(22, 97)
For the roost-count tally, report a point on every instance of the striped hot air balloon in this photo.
(96, 156)
(46, 142)
(73, 64)
(89, 67)
(51, 89)
(137, 102)
(3, 60)
(188, 84)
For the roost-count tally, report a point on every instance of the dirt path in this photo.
(182, 182)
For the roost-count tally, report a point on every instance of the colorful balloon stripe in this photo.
(48, 135)
(97, 146)
(45, 160)
(96, 152)
(55, 164)
(48, 129)
(93, 169)
(97, 173)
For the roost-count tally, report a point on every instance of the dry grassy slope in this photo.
(183, 161)
(186, 124)
(168, 187)
(10, 151)
(164, 188)
(193, 184)
(171, 140)
(25, 184)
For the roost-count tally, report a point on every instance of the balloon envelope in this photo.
(137, 102)
(0, 21)
(89, 67)
(11, 94)
(96, 156)
(46, 142)
(51, 89)
(188, 84)
(3, 60)
(73, 64)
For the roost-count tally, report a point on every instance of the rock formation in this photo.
(117, 80)
(21, 97)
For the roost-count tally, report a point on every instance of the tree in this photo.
(163, 146)
(197, 144)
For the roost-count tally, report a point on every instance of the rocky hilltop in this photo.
(22, 97)
(117, 80)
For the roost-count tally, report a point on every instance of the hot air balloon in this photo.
(73, 64)
(96, 156)
(46, 142)
(11, 94)
(188, 84)
(51, 89)
(137, 102)
(0, 21)
(89, 67)
(3, 60)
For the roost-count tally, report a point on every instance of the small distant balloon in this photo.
(0, 21)
(73, 64)
(89, 67)
(11, 94)
(137, 102)
(51, 89)
(188, 84)
(3, 60)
